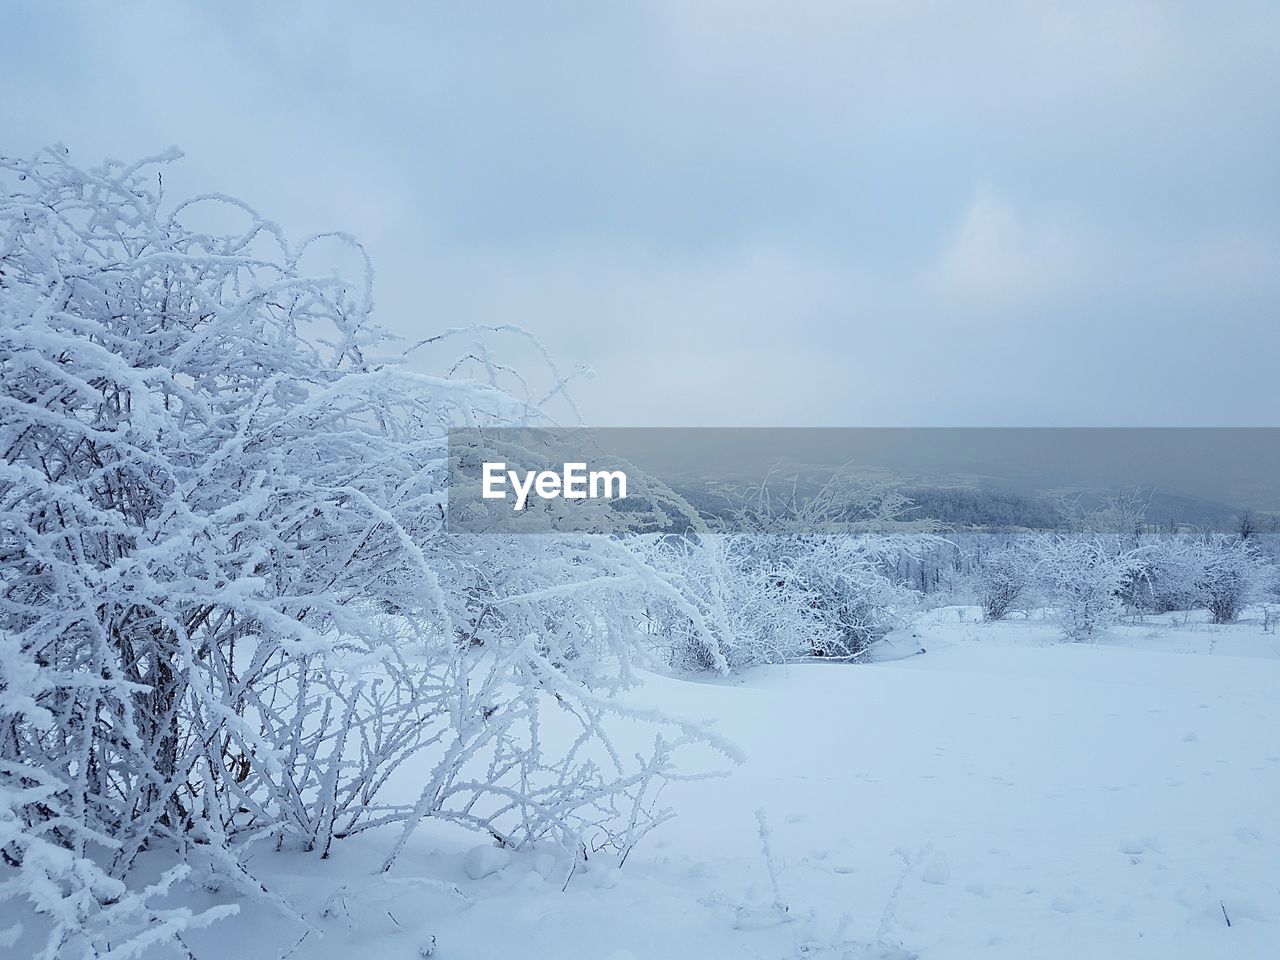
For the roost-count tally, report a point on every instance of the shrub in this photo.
(1001, 578)
(1084, 576)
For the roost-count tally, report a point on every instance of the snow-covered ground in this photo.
(1002, 794)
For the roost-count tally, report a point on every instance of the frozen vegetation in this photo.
(256, 702)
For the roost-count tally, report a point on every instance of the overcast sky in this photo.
(878, 213)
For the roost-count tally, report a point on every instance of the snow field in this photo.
(1001, 795)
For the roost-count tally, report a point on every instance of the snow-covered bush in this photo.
(1165, 574)
(228, 608)
(202, 481)
(1233, 575)
(1083, 576)
(841, 547)
(1220, 573)
(857, 598)
(807, 578)
(1001, 577)
(732, 611)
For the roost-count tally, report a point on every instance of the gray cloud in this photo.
(1052, 213)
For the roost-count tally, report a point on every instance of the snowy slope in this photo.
(1001, 795)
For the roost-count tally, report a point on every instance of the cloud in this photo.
(997, 257)
(746, 213)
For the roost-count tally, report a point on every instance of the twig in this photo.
(772, 864)
(286, 956)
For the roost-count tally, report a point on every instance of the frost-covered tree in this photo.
(202, 478)
(858, 600)
(229, 610)
(1001, 577)
(1233, 573)
(811, 577)
(731, 611)
(1166, 574)
(1083, 575)
(1217, 572)
(842, 545)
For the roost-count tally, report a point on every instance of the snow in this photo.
(484, 861)
(236, 638)
(1004, 794)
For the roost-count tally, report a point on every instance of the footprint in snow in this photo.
(937, 870)
(1068, 902)
(1248, 834)
(1134, 846)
